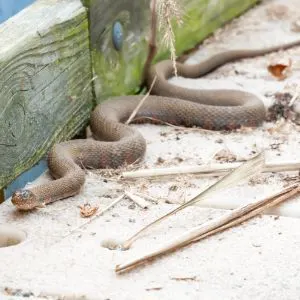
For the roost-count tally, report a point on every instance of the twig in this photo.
(152, 48)
(250, 212)
(148, 197)
(110, 206)
(249, 168)
(209, 228)
(141, 102)
(138, 200)
(207, 170)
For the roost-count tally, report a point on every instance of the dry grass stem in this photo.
(207, 170)
(138, 200)
(148, 197)
(246, 170)
(110, 206)
(166, 10)
(231, 219)
(295, 97)
(141, 103)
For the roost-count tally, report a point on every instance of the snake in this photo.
(115, 144)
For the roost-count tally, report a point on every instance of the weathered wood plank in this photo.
(119, 72)
(45, 76)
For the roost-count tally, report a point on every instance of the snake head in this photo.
(25, 200)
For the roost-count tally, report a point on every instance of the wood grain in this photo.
(45, 81)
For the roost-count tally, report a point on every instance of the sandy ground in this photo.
(257, 260)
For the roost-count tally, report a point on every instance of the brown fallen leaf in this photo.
(280, 69)
(86, 210)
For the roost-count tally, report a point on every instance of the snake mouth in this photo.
(24, 200)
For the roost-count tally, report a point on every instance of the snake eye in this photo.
(117, 35)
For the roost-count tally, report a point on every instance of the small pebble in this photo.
(132, 206)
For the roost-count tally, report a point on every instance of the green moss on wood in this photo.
(45, 80)
(120, 73)
(199, 22)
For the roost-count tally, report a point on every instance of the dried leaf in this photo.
(280, 70)
(87, 210)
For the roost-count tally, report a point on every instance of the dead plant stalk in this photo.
(246, 170)
(207, 170)
(234, 218)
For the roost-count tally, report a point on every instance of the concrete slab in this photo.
(62, 259)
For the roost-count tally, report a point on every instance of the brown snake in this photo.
(115, 144)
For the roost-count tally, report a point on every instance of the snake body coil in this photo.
(115, 143)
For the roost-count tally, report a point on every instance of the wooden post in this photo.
(45, 82)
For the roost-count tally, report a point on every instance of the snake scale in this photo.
(115, 143)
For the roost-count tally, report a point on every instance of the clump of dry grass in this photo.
(163, 12)
(166, 11)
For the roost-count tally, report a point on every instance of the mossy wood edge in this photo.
(46, 73)
(119, 72)
(45, 81)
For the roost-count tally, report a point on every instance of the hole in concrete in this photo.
(10, 236)
(111, 244)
